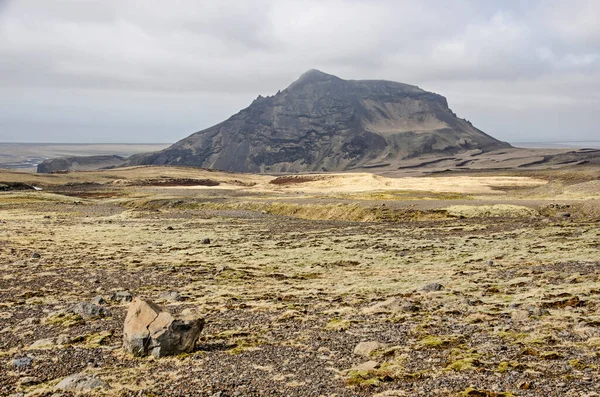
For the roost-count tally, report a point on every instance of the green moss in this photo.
(437, 342)
(368, 378)
(515, 336)
(505, 366)
(337, 324)
(97, 340)
(461, 360)
(64, 319)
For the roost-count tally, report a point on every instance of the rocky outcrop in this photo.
(149, 329)
(82, 163)
(324, 123)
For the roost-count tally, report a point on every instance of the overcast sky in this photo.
(157, 71)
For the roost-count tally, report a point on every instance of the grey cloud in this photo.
(192, 63)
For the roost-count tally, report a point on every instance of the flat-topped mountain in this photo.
(324, 123)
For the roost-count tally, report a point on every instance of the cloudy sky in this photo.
(157, 71)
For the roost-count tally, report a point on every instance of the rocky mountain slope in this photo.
(324, 123)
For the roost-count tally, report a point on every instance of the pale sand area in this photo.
(309, 184)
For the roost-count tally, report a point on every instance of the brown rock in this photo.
(149, 329)
(366, 348)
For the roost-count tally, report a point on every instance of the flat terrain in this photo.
(474, 284)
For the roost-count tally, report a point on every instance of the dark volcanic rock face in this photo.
(324, 123)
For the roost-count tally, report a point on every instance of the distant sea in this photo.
(558, 144)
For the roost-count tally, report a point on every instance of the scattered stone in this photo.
(366, 348)
(433, 287)
(172, 296)
(122, 297)
(98, 300)
(29, 381)
(82, 383)
(88, 310)
(206, 241)
(366, 366)
(63, 339)
(40, 344)
(149, 329)
(35, 255)
(22, 362)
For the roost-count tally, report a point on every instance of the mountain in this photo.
(324, 123)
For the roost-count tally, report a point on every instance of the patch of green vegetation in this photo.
(337, 324)
(460, 360)
(64, 319)
(515, 336)
(371, 378)
(97, 340)
(506, 366)
(437, 342)
(552, 355)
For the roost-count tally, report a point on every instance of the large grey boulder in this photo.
(88, 310)
(149, 329)
(81, 383)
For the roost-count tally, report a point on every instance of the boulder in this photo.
(122, 297)
(98, 300)
(22, 362)
(149, 329)
(433, 287)
(172, 296)
(366, 348)
(29, 381)
(82, 383)
(88, 310)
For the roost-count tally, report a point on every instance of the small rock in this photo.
(206, 241)
(29, 381)
(149, 329)
(490, 263)
(366, 348)
(433, 287)
(172, 296)
(98, 300)
(35, 255)
(63, 339)
(22, 362)
(366, 366)
(170, 228)
(47, 343)
(564, 215)
(82, 383)
(88, 310)
(122, 297)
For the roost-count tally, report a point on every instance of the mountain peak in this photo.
(314, 76)
(324, 123)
